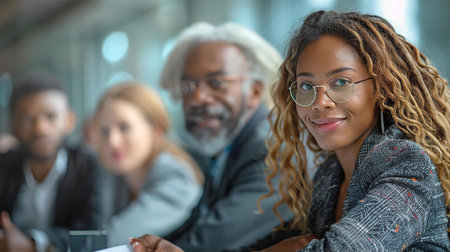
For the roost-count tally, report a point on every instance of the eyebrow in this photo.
(332, 72)
(219, 72)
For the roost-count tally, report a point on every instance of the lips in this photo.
(42, 142)
(327, 124)
(200, 114)
(117, 155)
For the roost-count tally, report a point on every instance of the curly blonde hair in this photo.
(409, 90)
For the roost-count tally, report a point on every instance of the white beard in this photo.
(210, 145)
(206, 144)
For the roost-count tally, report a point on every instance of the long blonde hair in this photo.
(410, 91)
(152, 107)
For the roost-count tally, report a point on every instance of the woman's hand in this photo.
(291, 244)
(151, 243)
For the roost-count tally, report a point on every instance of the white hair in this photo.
(263, 59)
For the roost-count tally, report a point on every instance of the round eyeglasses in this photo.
(339, 89)
(215, 83)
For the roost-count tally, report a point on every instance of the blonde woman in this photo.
(154, 184)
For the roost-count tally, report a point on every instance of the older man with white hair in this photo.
(222, 75)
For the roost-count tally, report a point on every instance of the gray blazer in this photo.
(231, 220)
(395, 200)
(163, 204)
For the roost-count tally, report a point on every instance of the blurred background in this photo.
(92, 44)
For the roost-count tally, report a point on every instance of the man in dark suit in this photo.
(222, 76)
(46, 186)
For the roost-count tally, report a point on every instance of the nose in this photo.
(114, 138)
(323, 100)
(40, 125)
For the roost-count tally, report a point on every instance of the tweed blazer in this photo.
(394, 202)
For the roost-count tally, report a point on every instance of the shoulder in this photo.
(167, 164)
(5, 156)
(255, 131)
(398, 161)
(81, 160)
(169, 160)
(399, 153)
(250, 143)
(10, 160)
(79, 150)
(10, 154)
(79, 153)
(169, 173)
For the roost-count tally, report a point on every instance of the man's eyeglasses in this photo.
(339, 89)
(215, 83)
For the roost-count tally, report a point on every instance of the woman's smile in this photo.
(327, 124)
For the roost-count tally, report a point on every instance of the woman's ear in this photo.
(254, 95)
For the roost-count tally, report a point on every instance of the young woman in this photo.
(370, 103)
(155, 184)
(377, 114)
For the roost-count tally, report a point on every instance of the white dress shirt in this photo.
(34, 209)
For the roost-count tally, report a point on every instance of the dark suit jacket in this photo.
(231, 221)
(76, 204)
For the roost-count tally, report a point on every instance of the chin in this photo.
(327, 145)
(207, 144)
(118, 170)
(43, 156)
(203, 133)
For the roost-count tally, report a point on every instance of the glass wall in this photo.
(92, 44)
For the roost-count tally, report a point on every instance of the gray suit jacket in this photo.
(231, 220)
(164, 202)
